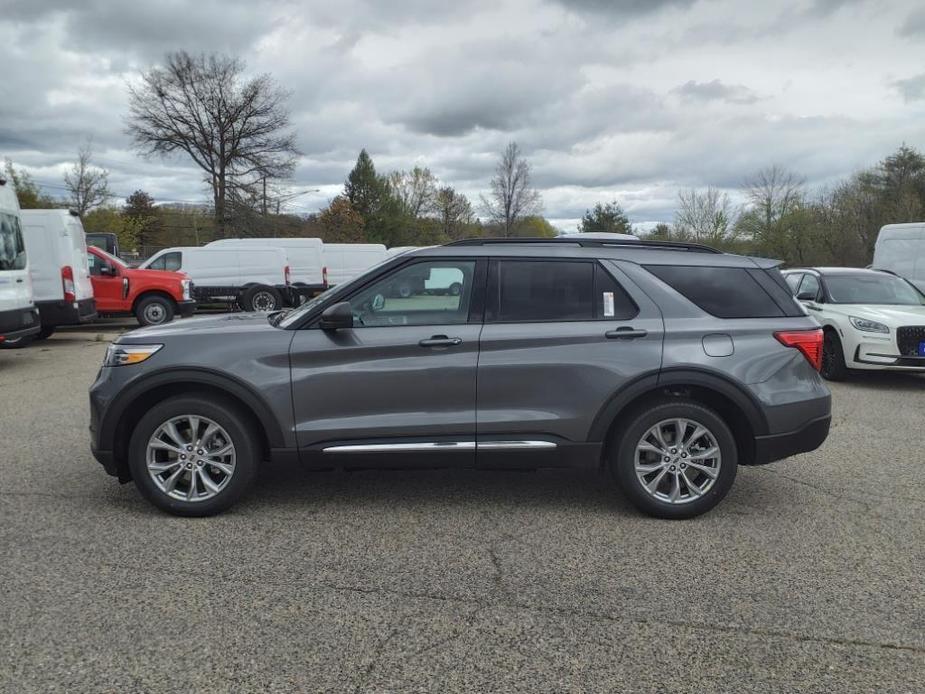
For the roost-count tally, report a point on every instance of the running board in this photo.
(434, 446)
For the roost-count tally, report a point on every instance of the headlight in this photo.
(868, 326)
(123, 355)
(187, 289)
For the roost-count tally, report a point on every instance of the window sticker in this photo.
(608, 305)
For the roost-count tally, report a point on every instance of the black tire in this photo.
(260, 298)
(833, 357)
(239, 429)
(154, 310)
(455, 289)
(17, 342)
(623, 454)
(405, 290)
(46, 332)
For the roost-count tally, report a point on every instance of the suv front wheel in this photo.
(675, 459)
(193, 455)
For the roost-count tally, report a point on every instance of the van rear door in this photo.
(77, 258)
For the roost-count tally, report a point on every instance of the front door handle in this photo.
(440, 341)
(625, 333)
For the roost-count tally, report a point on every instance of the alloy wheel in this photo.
(190, 458)
(677, 460)
(263, 301)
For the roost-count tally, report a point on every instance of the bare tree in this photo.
(415, 190)
(234, 128)
(454, 212)
(87, 185)
(704, 216)
(511, 197)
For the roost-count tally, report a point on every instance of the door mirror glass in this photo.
(806, 296)
(337, 316)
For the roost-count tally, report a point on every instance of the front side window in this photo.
(12, 246)
(426, 293)
(168, 261)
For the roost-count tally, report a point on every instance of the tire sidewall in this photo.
(252, 293)
(836, 370)
(238, 428)
(622, 463)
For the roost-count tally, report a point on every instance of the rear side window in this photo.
(547, 290)
(725, 292)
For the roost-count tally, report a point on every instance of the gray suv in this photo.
(665, 365)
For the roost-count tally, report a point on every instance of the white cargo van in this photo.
(57, 250)
(900, 249)
(345, 261)
(255, 278)
(19, 318)
(307, 272)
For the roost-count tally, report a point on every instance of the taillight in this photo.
(809, 342)
(286, 274)
(324, 276)
(67, 283)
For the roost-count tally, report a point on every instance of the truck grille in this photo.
(908, 339)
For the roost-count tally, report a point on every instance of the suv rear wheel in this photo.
(193, 456)
(675, 459)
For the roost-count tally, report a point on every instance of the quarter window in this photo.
(725, 292)
(426, 293)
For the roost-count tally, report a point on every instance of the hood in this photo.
(223, 325)
(892, 316)
(162, 276)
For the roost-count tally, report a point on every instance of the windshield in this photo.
(111, 258)
(12, 246)
(873, 289)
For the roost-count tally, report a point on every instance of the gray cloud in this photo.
(608, 99)
(715, 90)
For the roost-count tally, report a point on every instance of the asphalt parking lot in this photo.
(809, 576)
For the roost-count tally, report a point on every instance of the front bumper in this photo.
(21, 322)
(778, 446)
(63, 313)
(186, 308)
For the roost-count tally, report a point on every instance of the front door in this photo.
(403, 379)
(108, 284)
(561, 338)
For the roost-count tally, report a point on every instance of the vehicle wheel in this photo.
(455, 289)
(46, 332)
(261, 299)
(676, 459)
(17, 342)
(833, 358)
(405, 291)
(193, 455)
(154, 310)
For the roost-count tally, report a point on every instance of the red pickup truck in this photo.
(153, 296)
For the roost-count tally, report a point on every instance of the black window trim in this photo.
(491, 295)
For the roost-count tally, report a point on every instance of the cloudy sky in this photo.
(625, 99)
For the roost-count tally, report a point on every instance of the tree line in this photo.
(236, 130)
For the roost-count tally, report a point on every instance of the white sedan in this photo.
(873, 320)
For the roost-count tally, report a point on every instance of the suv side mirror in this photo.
(337, 316)
(806, 296)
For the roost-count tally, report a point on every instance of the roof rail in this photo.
(587, 243)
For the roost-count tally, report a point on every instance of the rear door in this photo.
(561, 337)
(76, 250)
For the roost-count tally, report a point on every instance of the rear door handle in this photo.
(440, 341)
(625, 333)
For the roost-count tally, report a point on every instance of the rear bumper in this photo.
(20, 322)
(62, 313)
(778, 446)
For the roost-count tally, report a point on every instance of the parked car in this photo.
(152, 296)
(666, 365)
(255, 278)
(60, 274)
(105, 240)
(900, 248)
(308, 274)
(873, 320)
(345, 261)
(19, 318)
